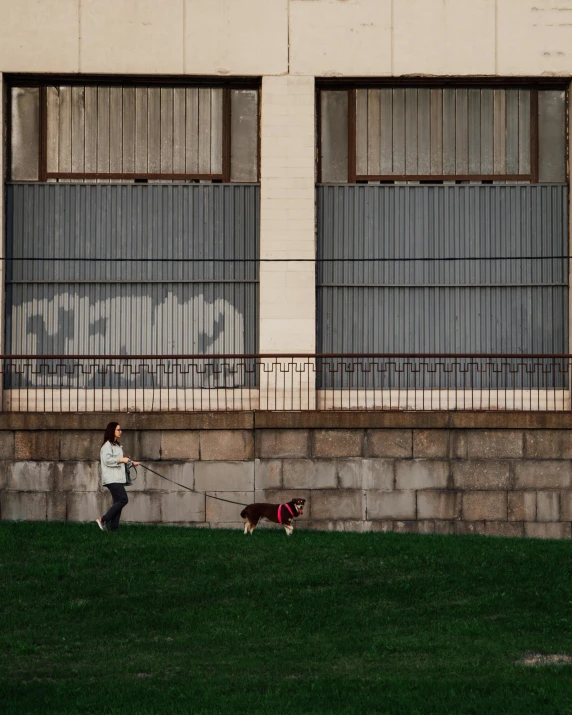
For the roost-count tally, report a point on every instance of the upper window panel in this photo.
(126, 130)
(445, 132)
(71, 132)
(448, 134)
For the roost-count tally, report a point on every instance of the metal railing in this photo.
(297, 382)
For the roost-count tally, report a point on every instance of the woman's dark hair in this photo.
(109, 435)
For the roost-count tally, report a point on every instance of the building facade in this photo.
(334, 130)
(259, 179)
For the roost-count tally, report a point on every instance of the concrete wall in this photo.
(273, 37)
(423, 475)
(287, 222)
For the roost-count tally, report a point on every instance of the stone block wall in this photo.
(449, 479)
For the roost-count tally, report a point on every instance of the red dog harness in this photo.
(280, 507)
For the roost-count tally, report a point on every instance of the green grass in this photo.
(174, 620)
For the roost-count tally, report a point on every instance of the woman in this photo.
(113, 476)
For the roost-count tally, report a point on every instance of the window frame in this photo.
(534, 85)
(43, 82)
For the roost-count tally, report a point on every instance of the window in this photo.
(131, 132)
(442, 221)
(394, 134)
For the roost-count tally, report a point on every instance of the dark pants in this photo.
(119, 501)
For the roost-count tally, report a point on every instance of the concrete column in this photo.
(2, 228)
(287, 223)
(569, 244)
(3, 103)
(287, 232)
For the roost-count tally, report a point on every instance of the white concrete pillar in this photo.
(287, 216)
(2, 221)
(569, 245)
(2, 235)
(288, 238)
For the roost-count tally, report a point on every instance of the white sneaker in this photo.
(100, 524)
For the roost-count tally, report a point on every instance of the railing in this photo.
(183, 383)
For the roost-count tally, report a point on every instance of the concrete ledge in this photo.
(411, 420)
(130, 421)
(350, 420)
(20, 421)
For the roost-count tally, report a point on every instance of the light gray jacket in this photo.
(111, 471)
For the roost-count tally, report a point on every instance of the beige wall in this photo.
(273, 37)
(333, 39)
(131, 37)
(236, 37)
(534, 37)
(449, 36)
(39, 36)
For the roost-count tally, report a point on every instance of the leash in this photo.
(189, 488)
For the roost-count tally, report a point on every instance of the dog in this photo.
(278, 513)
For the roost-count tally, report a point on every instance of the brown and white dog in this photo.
(278, 513)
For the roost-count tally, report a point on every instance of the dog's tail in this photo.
(243, 513)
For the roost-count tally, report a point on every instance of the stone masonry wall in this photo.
(505, 482)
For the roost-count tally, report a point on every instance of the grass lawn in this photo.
(175, 620)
